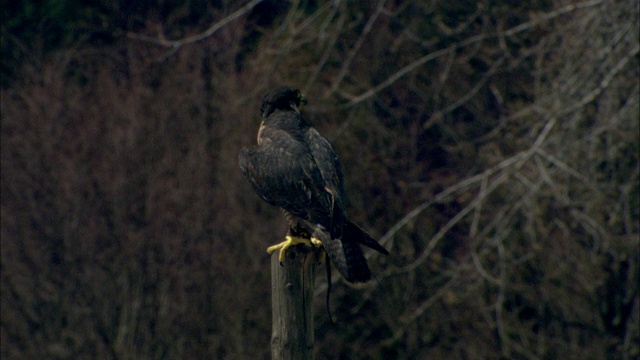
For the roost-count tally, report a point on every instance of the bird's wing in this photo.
(283, 172)
(327, 162)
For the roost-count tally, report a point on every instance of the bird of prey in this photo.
(295, 168)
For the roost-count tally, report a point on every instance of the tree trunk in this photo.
(292, 304)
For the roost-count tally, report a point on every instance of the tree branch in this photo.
(176, 44)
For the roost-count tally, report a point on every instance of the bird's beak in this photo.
(303, 100)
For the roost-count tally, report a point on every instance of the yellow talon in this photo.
(323, 253)
(289, 242)
(316, 242)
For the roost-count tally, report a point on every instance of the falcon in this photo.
(295, 168)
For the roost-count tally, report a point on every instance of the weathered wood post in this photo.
(292, 304)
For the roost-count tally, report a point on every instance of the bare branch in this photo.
(354, 100)
(604, 83)
(539, 19)
(347, 63)
(451, 223)
(175, 44)
(419, 311)
(470, 94)
(329, 48)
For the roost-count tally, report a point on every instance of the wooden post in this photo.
(292, 304)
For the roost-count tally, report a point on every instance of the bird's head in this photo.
(282, 98)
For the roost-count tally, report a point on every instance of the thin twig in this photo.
(175, 44)
(451, 223)
(328, 50)
(470, 41)
(419, 311)
(347, 63)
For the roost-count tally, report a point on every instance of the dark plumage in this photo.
(295, 168)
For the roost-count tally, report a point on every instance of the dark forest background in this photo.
(492, 146)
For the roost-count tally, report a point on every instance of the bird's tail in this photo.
(346, 253)
(355, 233)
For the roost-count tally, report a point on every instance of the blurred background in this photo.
(492, 147)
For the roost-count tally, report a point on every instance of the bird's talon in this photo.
(289, 242)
